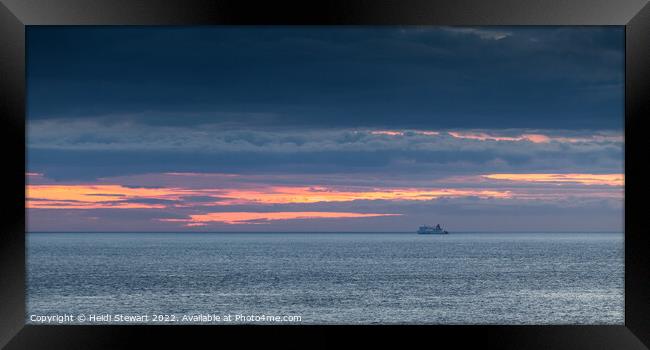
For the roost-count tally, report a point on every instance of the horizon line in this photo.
(378, 232)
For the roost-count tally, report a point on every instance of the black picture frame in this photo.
(16, 14)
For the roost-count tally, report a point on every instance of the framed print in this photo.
(289, 173)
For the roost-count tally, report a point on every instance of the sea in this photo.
(325, 278)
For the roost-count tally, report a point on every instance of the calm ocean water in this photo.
(341, 278)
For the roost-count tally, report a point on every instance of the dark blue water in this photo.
(333, 278)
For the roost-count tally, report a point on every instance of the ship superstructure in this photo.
(430, 230)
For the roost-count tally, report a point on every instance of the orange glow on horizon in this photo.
(232, 218)
(96, 196)
(286, 195)
(585, 179)
(117, 196)
(45, 204)
(83, 196)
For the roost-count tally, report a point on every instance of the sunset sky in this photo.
(374, 129)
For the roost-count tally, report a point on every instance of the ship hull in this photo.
(433, 233)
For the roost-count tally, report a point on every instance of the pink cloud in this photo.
(233, 218)
(584, 179)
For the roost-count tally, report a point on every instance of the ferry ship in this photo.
(429, 230)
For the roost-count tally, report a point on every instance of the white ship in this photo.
(429, 230)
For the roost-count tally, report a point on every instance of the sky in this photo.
(325, 129)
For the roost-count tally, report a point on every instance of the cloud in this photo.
(89, 149)
(387, 132)
(274, 195)
(190, 201)
(96, 196)
(245, 193)
(537, 138)
(485, 34)
(371, 77)
(119, 196)
(585, 179)
(93, 135)
(233, 218)
(481, 136)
